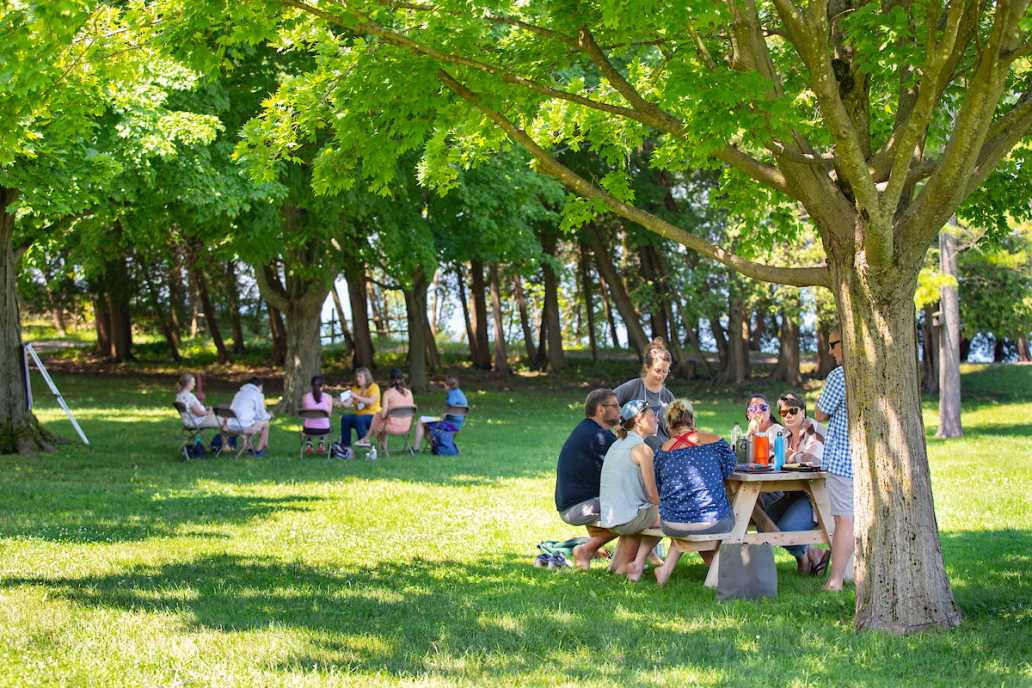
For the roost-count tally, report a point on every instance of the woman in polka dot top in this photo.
(690, 469)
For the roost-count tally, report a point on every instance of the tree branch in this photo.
(549, 165)
(270, 286)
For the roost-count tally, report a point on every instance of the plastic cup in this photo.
(761, 449)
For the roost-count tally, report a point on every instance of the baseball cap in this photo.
(631, 409)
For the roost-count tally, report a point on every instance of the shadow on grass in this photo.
(504, 620)
(84, 516)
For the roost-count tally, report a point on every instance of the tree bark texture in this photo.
(521, 305)
(363, 355)
(102, 323)
(737, 369)
(900, 577)
(501, 355)
(433, 354)
(164, 321)
(482, 352)
(415, 311)
(471, 337)
(556, 358)
(624, 305)
(380, 317)
(1024, 355)
(949, 339)
(20, 432)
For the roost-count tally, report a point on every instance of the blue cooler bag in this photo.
(442, 439)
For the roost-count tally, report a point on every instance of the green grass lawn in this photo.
(120, 565)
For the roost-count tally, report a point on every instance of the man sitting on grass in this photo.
(579, 469)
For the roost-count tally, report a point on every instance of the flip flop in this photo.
(821, 566)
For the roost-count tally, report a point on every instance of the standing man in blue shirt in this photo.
(837, 461)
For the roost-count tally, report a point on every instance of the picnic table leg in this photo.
(822, 507)
(744, 501)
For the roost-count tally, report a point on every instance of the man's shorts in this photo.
(582, 514)
(840, 492)
(645, 519)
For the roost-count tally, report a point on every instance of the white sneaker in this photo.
(362, 443)
(372, 454)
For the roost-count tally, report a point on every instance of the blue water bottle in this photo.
(779, 451)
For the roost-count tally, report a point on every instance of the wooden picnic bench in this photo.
(744, 490)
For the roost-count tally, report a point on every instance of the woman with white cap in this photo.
(627, 489)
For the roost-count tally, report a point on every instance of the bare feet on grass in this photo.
(663, 572)
(635, 571)
(832, 586)
(582, 558)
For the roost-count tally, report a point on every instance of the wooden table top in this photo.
(777, 476)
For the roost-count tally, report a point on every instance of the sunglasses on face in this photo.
(788, 411)
(758, 408)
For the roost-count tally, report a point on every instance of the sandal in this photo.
(821, 566)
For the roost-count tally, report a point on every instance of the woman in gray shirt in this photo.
(650, 387)
(627, 489)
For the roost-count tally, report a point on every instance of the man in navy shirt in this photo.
(579, 469)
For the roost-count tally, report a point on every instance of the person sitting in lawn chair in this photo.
(317, 400)
(251, 417)
(396, 396)
(196, 414)
(455, 400)
(579, 470)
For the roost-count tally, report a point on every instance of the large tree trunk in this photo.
(901, 583)
(363, 356)
(415, 311)
(949, 339)
(589, 305)
(176, 296)
(723, 351)
(501, 355)
(556, 358)
(20, 432)
(929, 352)
(635, 332)
(482, 352)
(650, 275)
(433, 354)
(279, 335)
(521, 305)
(233, 297)
(119, 288)
(200, 281)
(667, 299)
(301, 302)
(787, 368)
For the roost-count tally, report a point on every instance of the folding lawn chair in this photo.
(190, 430)
(399, 412)
(306, 433)
(229, 426)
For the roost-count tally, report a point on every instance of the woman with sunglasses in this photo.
(804, 443)
(761, 421)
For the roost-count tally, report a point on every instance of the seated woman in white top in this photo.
(196, 414)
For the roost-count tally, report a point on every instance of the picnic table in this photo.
(744, 490)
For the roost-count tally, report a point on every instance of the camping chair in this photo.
(229, 426)
(399, 412)
(459, 412)
(190, 429)
(311, 414)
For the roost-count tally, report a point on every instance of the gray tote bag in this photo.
(746, 572)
